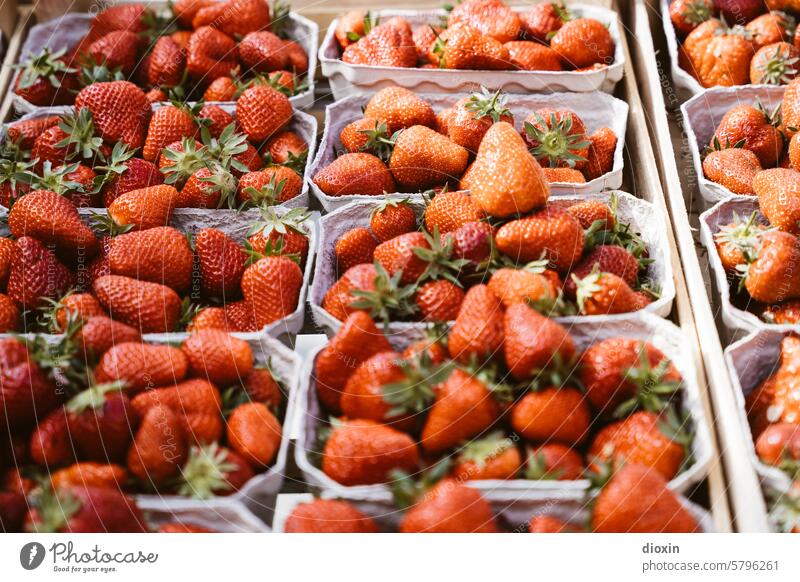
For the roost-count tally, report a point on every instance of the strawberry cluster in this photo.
(100, 413)
(479, 35)
(188, 50)
(199, 156)
(401, 144)
(504, 392)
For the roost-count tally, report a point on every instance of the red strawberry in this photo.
(120, 111)
(221, 261)
(464, 47)
(148, 307)
(100, 421)
(263, 51)
(100, 333)
(386, 45)
(272, 287)
(262, 111)
(583, 42)
(552, 414)
(159, 447)
(51, 445)
(36, 274)
(328, 516)
(478, 328)
(235, 17)
(24, 132)
(605, 293)
(554, 461)
(26, 393)
(450, 507)
(491, 17)
(550, 233)
(399, 108)
(160, 255)
(355, 247)
(607, 259)
(210, 54)
(358, 173)
(83, 509)
(35, 82)
(167, 63)
(168, 124)
(439, 301)
(137, 174)
(398, 256)
(541, 21)
(449, 211)
(116, 50)
(422, 158)
(338, 300)
(228, 469)
(144, 208)
(535, 343)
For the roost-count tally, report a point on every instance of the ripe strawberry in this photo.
(216, 118)
(399, 108)
(36, 274)
(90, 474)
(521, 286)
(775, 399)
(183, 527)
(563, 175)
(550, 233)
(637, 499)
(357, 340)
(220, 357)
(547, 523)
(606, 259)
(338, 300)
(210, 54)
(754, 127)
(449, 211)
(736, 11)
(148, 307)
(75, 306)
(142, 366)
(263, 52)
(492, 457)
(159, 447)
(269, 186)
(605, 293)
(221, 262)
(600, 156)
(464, 408)
(473, 242)
(159, 255)
(464, 47)
(260, 385)
(121, 17)
(590, 211)
(26, 392)
(24, 132)
(207, 188)
(776, 190)
(491, 17)
(168, 124)
(136, 174)
(554, 461)
(328, 516)
(209, 318)
(84, 509)
(46, 79)
(439, 300)
(541, 21)
(100, 333)
(787, 312)
(223, 88)
(50, 444)
(532, 56)
(167, 63)
(385, 45)
(363, 395)
(534, 343)
(472, 116)
(478, 328)
(156, 95)
(423, 158)
(505, 179)
(116, 50)
(52, 219)
(450, 508)
(354, 247)
(583, 42)
(284, 235)
(719, 56)
(424, 36)
(363, 452)
(358, 173)
(779, 445)
(790, 107)
(769, 28)
(771, 277)
(7, 247)
(9, 314)
(234, 17)
(286, 146)
(100, 421)
(212, 470)
(620, 374)
(398, 255)
(556, 137)
(733, 168)
(144, 208)
(272, 287)
(552, 414)
(262, 111)
(120, 111)
(774, 64)
(643, 438)
(352, 25)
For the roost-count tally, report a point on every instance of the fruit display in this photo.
(510, 399)
(397, 141)
(101, 415)
(405, 262)
(186, 155)
(630, 499)
(763, 366)
(185, 50)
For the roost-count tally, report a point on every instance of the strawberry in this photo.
(159, 447)
(26, 392)
(263, 51)
(100, 420)
(168, 124)
(770, 28)
(9, 314)
(215, 355)
(385, 45)
(492, 457)
(605, 293)
(464, 47)
(472, 116)
(352, 25)
(36, 274)
(556, 138)
(754, 129)
(183, 527)
(167, 63)
(142, 366)
(505, 179)
(424, 36)
(532, 56)
(637, 499)
(771, 277)
(7, 247)
(135, 174)
(548, 524)
(120, 111)
(262, 111)
(116, 50)
(600, 156)
(582, 42)
(439, 301)
(534, 343)
(554, 461)
(272, 287)
(51, 444)
(790, 108)
(350, 174)
(717, 55)
(490, 17)
(563, 175)
(621, 374)
(450, 507)
(399, 108)
(210, 54)
(339, 300)
(328, 516)
(367, 135)
(121, 17)
(398, 255)
(221, 262)
(733, 168)
(148, 307)
(541, 21)
(284, 235)
(643, 438)
(607, 259)
(209, 187)
(100, 333)
(74, 306)
(521, 286)
(449, 211)
(478, 328)
(156, 95)
(209, 318)
(551, 233)
(24, 132)
(260, 385)
(287, 147)
(269, 186)
(52, 219)
(364, 393)
(779, 445)
(552, 414)
(354, 247)
(159, 255)
(363, 452)
(774, 64)
(216, 118)
(788, 312)
(45, 79)
(223, 88)
(776, 189)
(235, 17)
(90, 474)
(739, 12)
(213, 470)
(84, 509)
(774, 399)
(144, 208)
(423, 158)
(590, 211)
